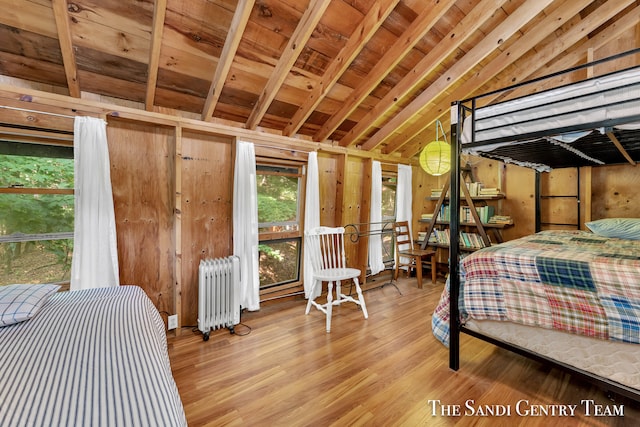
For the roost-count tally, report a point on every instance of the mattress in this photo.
(612, 98)
(95, 357)
(616, 361)
(574, 281)
(573, 296)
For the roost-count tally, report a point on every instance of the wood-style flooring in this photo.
(282, 369)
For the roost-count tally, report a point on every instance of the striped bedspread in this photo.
(94, 357)
(573, 281)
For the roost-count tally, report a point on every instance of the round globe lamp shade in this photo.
(435, 158)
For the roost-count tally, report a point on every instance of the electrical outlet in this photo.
(172, 322)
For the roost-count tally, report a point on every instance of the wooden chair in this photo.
(326, 246)
(413, 258)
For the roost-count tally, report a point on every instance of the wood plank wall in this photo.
(207, 198)
(142, 168)
(615, 192)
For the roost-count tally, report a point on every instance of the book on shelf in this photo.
(427, 216)
(501, 219)
(474, 188)
(484, 213)
(471, 241)
(489, 191)
(466, 240)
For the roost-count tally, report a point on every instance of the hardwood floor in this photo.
(282, 369)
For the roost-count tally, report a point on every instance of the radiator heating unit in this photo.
(218, 294)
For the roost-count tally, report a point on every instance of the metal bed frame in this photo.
(461, 110)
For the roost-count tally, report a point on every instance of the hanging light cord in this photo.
(444, 136)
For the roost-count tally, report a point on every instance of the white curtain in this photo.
(404, 196)
(245, 224)
(311, 216)
(376, 264)
(95, 252)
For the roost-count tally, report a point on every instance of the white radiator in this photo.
(218, 294)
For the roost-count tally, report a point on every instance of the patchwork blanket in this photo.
(573, 281)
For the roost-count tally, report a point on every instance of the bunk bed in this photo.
(595, 121)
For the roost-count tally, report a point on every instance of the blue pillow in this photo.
(622, 228)
(21, 302)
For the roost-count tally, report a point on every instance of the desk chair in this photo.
(326, 246)
(413, 258)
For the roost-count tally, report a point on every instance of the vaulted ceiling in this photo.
(371, 74)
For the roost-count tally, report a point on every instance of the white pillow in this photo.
(622, 228)
(21, 302)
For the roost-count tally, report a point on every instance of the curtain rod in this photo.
(36, 111)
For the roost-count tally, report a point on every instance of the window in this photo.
(389, 186)
(36, 212)
(279, 197)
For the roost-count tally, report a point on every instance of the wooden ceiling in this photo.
(371, 74)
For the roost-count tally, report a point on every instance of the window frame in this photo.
(280, 167)
(38, 144)
(388, 175)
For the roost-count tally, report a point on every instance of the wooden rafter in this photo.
(418, 28)
(529, 67)
(159, 12)
(620, 148)
(298, 40)
(66, 46)
(484, 48)
(359, 38)
(425, 67)
(236, 29)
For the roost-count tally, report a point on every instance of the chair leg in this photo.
(311, 297)
(434, 269)
(329, 305)
(418, 264)
(361, 297)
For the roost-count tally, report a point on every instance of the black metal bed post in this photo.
(454, 246)
(538, 206)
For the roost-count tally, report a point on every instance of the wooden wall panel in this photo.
(328, 177)
(207, 201)
(561, 208)
(353, 199)
(142, 167)
(422, 184)
(353, 190)
(520, 191)
(615, 192)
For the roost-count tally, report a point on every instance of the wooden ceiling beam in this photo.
(403, 45)
(484, 48)
(66, 46)
(231, 43)
(298, 40)
(535, 66)
(358, 39)
(159, 13)
(620, 148)
(427, 65)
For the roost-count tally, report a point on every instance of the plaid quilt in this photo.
(573, 281)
